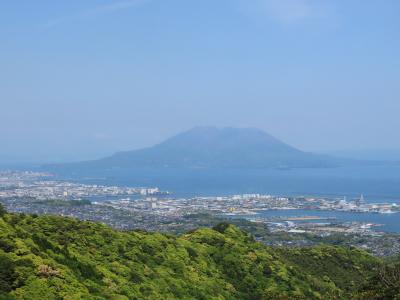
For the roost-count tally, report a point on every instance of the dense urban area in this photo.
(151, 209)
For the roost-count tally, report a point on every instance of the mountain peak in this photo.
(213, 147)
(228, 138)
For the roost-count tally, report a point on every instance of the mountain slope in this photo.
(210, 147)
(61, 258)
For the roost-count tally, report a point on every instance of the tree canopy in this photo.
(49, 257)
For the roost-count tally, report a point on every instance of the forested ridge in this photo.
(50, 257)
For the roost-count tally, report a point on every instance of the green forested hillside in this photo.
(50, 257)
(384, 285)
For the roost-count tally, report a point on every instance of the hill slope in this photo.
(61, 258)
(210, 147)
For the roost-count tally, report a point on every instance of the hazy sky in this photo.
(82, 79)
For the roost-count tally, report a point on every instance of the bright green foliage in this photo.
(322, 262)
(52, 257)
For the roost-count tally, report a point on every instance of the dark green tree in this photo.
(2, 210)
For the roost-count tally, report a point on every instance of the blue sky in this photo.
(82, 79)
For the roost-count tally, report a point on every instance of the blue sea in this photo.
(377, 183)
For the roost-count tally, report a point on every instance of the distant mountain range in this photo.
(211, 147)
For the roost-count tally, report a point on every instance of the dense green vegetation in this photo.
(385, 284)
(51, 257)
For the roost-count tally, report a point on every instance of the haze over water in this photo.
(84, 79)
(377, 184)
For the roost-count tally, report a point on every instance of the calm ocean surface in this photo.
(378, 184)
